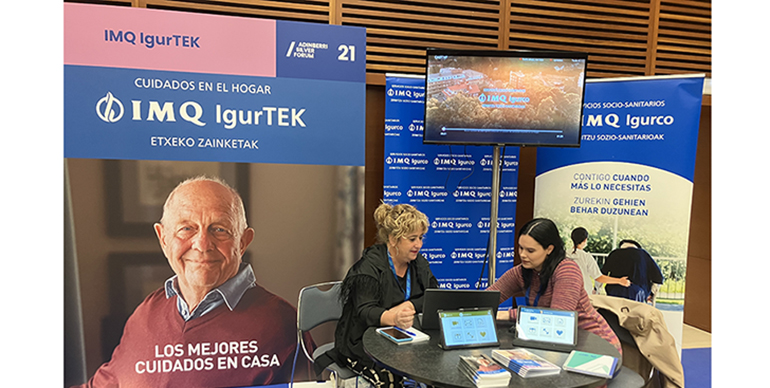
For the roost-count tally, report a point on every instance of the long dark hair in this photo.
(545, 232)
(579, 235)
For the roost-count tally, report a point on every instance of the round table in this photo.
(427, 363)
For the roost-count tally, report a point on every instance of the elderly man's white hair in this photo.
(237, 205)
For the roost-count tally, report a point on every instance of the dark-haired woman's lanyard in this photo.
(537, 297)
(408, 291)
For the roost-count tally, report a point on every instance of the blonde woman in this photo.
(384, 288)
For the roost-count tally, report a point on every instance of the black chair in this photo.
(319, 303)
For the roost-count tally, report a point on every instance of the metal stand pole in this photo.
(493, 216)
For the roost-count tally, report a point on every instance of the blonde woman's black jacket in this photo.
(370, 288)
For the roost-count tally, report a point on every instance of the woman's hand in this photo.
(506, 315)
(624, 281)
(401, 316)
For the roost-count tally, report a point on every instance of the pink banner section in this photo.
(137, 38)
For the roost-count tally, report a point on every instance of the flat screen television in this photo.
(517, 98)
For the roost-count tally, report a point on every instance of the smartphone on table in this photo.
(395, 334)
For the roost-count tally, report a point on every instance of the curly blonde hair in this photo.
(398, 221)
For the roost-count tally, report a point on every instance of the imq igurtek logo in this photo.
(109, 108)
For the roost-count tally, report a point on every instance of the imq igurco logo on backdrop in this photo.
(398, 92)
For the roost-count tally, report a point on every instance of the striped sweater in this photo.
(565, 291)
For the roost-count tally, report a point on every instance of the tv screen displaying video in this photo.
(520, 98)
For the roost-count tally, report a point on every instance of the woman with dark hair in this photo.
(548, 280)
(588, 265)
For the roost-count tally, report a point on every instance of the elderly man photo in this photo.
(211, 325)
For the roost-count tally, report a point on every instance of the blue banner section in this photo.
(636, 121)
(319, 51)
(452, 185)
(631, 178)
(114, 113)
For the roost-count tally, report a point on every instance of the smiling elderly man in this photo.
(211, 325)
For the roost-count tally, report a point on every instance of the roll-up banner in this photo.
(153, 97)
(632, 177)
(452, 185)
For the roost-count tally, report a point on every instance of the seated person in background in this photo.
(384, 288)
(549, 280)
(211, 325)
(631, 261)
(588, 265)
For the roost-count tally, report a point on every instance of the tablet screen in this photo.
(467, 328)
(547, 325)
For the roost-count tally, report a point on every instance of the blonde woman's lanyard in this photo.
(408, 291)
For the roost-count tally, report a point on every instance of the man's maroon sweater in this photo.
(250, 345)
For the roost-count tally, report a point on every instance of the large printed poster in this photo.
(152, 98)
(452, 185)
(631, 178)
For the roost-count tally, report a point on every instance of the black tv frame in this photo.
(568, 55)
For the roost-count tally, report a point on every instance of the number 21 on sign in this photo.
(347, 53)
